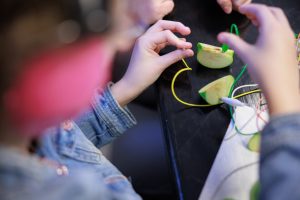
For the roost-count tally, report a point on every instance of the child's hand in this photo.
(146, 64)
(229, 5)
(271, 61)
(150, 11)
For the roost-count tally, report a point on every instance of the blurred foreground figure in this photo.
(55, 65)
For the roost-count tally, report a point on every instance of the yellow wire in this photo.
(187, 68)
(247, 93)
(175, 95)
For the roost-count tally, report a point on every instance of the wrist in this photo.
(123, 92)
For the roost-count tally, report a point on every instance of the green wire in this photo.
(232, 88)
(233, 28)
(237, 79)
(230, 94)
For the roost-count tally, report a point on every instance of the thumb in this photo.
(167, 7)
(173, 57)
(236, 43)
(226, 5)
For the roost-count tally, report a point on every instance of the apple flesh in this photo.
(214, 91)
(254, 143)
(213, 57)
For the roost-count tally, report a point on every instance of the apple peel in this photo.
(213, 57)
(214, 91)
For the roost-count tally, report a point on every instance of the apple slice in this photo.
(254, 143)
(214, 91)
(213, 57)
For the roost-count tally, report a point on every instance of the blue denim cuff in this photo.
(116, 118)
(282, 132)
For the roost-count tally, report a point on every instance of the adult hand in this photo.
(229, 5)
(271, 61)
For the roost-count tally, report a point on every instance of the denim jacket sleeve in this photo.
(24, 177)
(106, 120)
(280, 159)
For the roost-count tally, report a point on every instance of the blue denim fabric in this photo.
(24, 177)
(106, 121)
(76, 144)
(72, 144)
(280, 159)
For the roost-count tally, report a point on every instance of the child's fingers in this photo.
(163, 45)
(170, 25)
(166, 7)
(238, 3)
(280, 16)
(260, 13)
(226, 5)
(241, 47)
(160, 47)
(173, 57)
(171, 39)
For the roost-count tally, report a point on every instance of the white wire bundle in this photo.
(241, 87)
(256, 111)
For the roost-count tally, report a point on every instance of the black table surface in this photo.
(194, 135)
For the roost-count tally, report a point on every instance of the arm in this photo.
(109, 117)
(106, 120)
(280, 160)
(273, 66)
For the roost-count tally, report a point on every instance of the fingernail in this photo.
(189, 44)
(190, 53)
(227, 9)
(221, 37)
